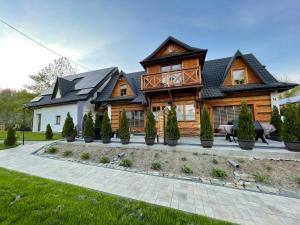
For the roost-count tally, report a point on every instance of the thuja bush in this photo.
(172, 129)
(68, 129)
(106, 126)
(245, 129)
(291, 124)
(276, 120)
(124, 128)
(11, 138)
(150, 129)
(89, 126)
(206, 129)
(49, 133)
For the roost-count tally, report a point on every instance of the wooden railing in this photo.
(178, 78)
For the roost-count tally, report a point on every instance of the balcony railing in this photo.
(178, 78)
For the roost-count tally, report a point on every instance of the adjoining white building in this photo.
(71, 94)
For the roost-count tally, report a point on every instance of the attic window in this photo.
(238, 76)
(57, 94)
(123, 91)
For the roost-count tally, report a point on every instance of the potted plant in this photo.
(49, 133)
(106, 128)
(124, 129)
(206, 133)
(150, 129)
(68, 129)
(172, 129)
(277, 123)
(291, 128)
(88, 128)
(245, 129)
(11, 138)
(97, 127)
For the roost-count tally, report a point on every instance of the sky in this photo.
(99, 34)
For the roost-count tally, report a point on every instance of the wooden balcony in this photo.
(173, 79)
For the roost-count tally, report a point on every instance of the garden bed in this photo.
(276, 173)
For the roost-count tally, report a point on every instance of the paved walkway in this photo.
(219, 202)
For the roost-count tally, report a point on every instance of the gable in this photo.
(117, 89)
(169, 49)
(250, 76)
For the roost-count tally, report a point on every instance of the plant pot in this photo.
(125, 141)
(70, 138)
(207, 143)
(172, 142)
(88, 139)
(149, 141)
(293, 146)
(246, 144)
(97, 133)
(105, 140)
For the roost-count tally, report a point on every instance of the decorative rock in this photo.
(229, 184)
(267, 189)
(247, 177)
(217, 182)
(204, 180)
(236, 175)
(155, 173)
(290, 194)
(251, 186)
(184, 178)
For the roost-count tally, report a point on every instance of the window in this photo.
(156, 110)
(123, 91)
(238, 76)
(57, 121)
(224, 114)
(185, 112)
(135, 118)
(190, 112)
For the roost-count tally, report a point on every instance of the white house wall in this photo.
(48, 115)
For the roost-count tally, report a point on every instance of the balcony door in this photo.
(171, 75)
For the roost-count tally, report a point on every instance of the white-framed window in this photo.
(156, 110)
(57, 120)
(190, 113)
(123, 90)
(238, 76)
(180, 112)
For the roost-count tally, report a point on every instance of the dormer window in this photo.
(238, 76)
(123, 90)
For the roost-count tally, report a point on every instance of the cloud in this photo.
(20, 57)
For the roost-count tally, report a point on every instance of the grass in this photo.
(27, 200)
(31, 136)
(155, 166)
(219, 173)
(52, 150)
(126, 163)
(297, 180)
(67, 153)
(104, 159)
(85, 156)
(187, 170)
(214, 161)
(260, 177)
(3, 146)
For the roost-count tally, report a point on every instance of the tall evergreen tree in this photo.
(49, 133)
(206, 129)
(124, 127)
(89, 126)
(276, 120)
(11, 138)
(68, 129)
(150, 129)
(172, 129)
(106, 127)
(245, 129)
(291, 124)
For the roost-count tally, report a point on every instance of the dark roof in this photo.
(214, 73)
(189, 51)
(134, 81)
(73, 88)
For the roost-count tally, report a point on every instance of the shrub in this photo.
(206, 129)
(187, 170)
(260, 177)
(297, 179)
(276, 120)
(52, 150)
(195, 153)
(156, 155)
(124, 128)
(11, 138)
(49, 133)
(183, 159)
(241, 160)
(219, 173)
(68, 129)
(245, 129)
(291, 124)
(104, 159)
(269, 168)
(150, 129)
(83, 122)
(67, 153)
(85, 156)
(214, 161)
(126, 163)
(155, 166)
(97, 121)
(172, 129)
(89, 126)
(106, 126)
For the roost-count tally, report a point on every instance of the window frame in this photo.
(57, 119)
(123, 87)
(184, 104)
(132, 119)
(245, 75)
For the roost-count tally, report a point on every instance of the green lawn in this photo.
(2, 146)
(30, 200)
(31, 136)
